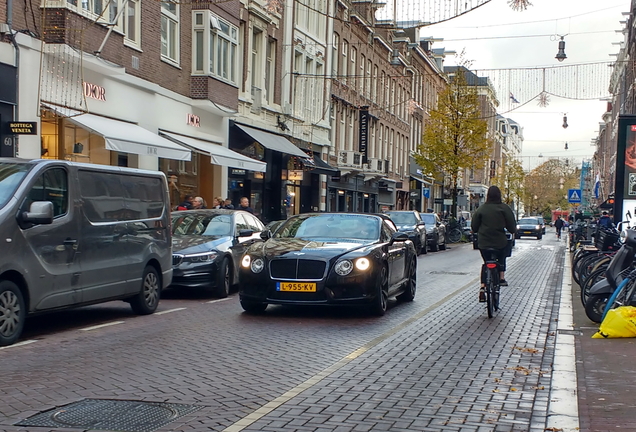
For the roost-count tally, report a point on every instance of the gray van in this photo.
(78, 234)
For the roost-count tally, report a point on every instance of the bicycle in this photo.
(491, 268)
(455, 233)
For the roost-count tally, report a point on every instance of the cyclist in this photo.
(558, 224)
(489, 221)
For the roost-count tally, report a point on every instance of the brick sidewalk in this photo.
(606, 370)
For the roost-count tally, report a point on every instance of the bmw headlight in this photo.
(201, 257)
(246, 261)
(363, 264)
(343, 267)
(258, 265)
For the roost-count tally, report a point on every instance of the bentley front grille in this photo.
(300, 269)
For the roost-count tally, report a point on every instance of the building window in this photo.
(215, 44)
(298, 84)
(132, 22)
(270, 62)
(335, 58)
(345, 62)
(170, 31)
(354, 69)
(257, 63)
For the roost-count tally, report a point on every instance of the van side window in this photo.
(143, 196)
(52, 186)
(103, 196)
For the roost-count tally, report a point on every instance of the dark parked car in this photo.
(207, 246)
(435, 231)
(530, 226)
(330, 259)
(410, 222)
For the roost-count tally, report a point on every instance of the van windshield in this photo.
(11, 174)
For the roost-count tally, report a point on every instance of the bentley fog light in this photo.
(257, 265)
(343, 267)
(363, 263)
(246, 261)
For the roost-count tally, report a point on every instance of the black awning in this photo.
(318, 166)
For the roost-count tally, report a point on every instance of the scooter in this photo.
(617, 270)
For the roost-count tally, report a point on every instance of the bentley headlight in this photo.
(257, 265)
(201, 257)
(363, 263)
(246, 261)
(343, 267)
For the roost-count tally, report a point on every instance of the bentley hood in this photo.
(301, 248)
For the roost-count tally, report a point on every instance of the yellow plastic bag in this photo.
(619, 322)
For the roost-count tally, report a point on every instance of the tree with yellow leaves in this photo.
(455, 136)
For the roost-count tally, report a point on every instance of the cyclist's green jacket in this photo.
(489, 221)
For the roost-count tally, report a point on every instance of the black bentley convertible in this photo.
(329, 259)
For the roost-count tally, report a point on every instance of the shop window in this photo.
(170, 31)
(215, 45)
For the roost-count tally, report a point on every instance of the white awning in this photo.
(274, 142)
(126, 137)
(219, 155)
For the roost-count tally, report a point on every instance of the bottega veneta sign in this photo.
(23, 128)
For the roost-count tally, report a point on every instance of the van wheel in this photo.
(223, 279)
(147, 300)
(12, 313)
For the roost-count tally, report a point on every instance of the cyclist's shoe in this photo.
(482, 295)
(503, 282)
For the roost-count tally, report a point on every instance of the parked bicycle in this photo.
(454, 231)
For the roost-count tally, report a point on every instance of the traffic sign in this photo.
(574, 195)
(426, 192)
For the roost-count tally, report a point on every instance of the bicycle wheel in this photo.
(619, 293)
(490, 291)
(454, 235)
(589, 283)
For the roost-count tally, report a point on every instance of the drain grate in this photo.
(570, 332)
(111, 415)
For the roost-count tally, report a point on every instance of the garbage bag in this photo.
(618, 323)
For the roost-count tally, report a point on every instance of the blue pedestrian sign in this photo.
(574, 195)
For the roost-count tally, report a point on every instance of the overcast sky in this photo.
(494, 36)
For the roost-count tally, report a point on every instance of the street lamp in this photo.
(561, 53)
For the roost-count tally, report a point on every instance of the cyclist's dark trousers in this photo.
(558, 232)
(488, 256)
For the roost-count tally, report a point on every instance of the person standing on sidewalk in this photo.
(489, 221)
(558, 224)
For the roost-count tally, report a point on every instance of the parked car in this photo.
(530, 226)
(330, 259)
(273, 225)
(207, 246)
(435, 231)
(410, 222)
(79, 234)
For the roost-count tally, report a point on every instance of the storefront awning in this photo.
(319, 166)
(127, 137)
(219, 155)
(273, 141)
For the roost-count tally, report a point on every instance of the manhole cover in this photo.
(112, 415)
(448, 273)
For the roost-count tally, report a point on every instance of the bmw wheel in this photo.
(381, 300)
(223, 279)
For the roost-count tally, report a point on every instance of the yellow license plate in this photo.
(296, 286)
